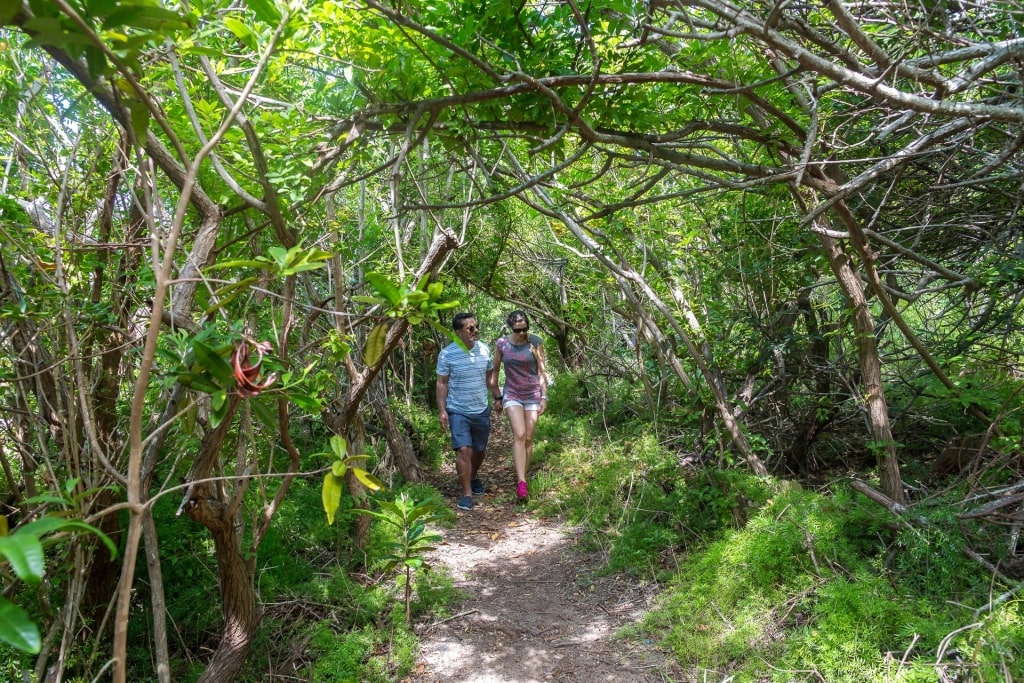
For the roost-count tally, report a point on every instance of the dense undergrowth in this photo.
(769, 580)
(763, 579)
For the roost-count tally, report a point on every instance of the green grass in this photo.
(766, 581)
(792, 596)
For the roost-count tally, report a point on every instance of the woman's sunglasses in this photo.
(520, 330)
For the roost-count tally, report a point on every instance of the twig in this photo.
(888, 503)
(986, 564)
(909, 649)
(992, 604)
(949, 637)
(452, 618)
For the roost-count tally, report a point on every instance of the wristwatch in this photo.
(497, 398)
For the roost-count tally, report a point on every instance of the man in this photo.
(463, 405)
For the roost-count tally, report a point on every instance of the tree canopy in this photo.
(224, 221)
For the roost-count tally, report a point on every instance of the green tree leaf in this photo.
(25, 554)
(17, 629)
(265, 10)
(385, 288)
(213, 363)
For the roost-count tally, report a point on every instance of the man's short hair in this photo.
(459, 319)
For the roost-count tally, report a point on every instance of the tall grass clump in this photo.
(636, 503)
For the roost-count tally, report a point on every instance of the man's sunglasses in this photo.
(520, 330)
(471, 328)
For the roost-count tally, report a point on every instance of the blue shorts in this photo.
(470, 430)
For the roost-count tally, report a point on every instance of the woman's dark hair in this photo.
(458, 320)
(516, 316)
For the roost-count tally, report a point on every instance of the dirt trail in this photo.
(536, 610)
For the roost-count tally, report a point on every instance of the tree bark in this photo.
(870, 368)
(208, 504)
(399, 444)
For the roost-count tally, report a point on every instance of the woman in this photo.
(526, 391)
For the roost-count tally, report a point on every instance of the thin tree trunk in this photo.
(870, 368)
(209, 504)
(398, 443)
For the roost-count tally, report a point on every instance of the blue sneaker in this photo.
(477, 486)
(465, 503)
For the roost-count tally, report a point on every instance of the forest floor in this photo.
(537, 607)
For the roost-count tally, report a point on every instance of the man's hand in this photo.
(443, 417)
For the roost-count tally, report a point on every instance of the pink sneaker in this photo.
(521, 492)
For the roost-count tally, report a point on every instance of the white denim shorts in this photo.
(525, 405)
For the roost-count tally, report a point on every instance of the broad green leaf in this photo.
(241, 31)
(214, 363)
(374, 348)
(417, 297)
(280, 256)
(95, 60)
(46, 498)
(339, 447)
(239, 263)
(263, 413)
(17, 629)
(265, 10)
(25, 553)
(331, 495)
(310, 404)
(42, 526)
(220, 403)
(8, 8)
(302, 267)
(229, 293)
(147, 17)
(339, 468)
(140, 117)
(448, 332)
(369, 300)
(385, 287)
(48, 524)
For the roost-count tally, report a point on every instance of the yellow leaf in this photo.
(369, 481)
(374, 348)
(331, 495)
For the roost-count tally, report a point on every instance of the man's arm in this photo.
(441, 390)
(492, 375)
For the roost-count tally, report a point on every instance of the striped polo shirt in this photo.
(467, 377)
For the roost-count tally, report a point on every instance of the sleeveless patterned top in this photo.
(522, 381)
